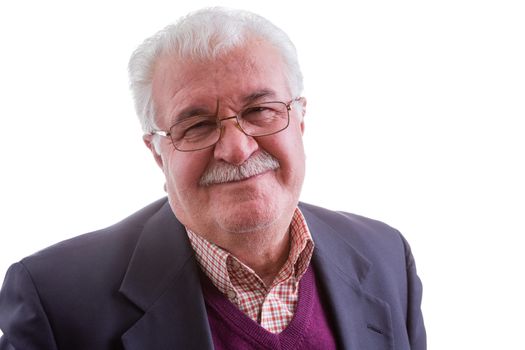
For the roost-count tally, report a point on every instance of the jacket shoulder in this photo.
(92, 258)
(358, 231)
(123, 233)
(60, 291)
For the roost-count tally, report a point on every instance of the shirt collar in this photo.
(221, 267)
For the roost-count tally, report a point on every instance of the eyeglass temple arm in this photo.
(159, 132)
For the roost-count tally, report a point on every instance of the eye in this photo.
(258, 113)
(256, 110)
(194, 128)
(262, 114)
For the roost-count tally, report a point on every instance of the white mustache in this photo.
(223, 172)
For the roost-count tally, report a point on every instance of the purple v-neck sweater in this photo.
(232, 329)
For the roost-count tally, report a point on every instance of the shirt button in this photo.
(231, 295)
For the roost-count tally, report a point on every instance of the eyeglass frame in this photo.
(288, 105)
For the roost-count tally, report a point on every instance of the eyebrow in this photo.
(257, 95)
(192, 111)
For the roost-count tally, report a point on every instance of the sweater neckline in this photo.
(289, 338)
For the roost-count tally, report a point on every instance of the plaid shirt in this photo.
(272, 307)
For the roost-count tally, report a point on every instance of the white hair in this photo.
(204, 35)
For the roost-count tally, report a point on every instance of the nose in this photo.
(234, 146)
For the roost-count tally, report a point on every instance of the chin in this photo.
(239, 226)
(248, 218)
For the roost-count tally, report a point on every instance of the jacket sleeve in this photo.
(415, 324)
(22, 317)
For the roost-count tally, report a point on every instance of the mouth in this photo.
(247, 178)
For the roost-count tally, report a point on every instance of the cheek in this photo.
(288, 148)
(183, 170)
(290, 145)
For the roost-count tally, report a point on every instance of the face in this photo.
(250, 74)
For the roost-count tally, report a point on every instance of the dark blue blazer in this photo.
(135, 286)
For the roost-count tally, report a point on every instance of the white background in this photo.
(415, 117)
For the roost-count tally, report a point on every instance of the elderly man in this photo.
(231, 259)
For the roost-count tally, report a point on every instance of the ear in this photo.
(153, 147)
(302, 103)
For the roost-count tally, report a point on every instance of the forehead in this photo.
(232, 78)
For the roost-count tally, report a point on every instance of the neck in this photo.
(265, 249)
(264, 257)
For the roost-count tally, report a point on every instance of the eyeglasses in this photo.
(202, 131)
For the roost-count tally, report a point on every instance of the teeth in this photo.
(224, 172)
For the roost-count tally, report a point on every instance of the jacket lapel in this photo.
(361, 320)
(163, 281)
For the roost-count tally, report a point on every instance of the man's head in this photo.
(204, 35)
(221, 63)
